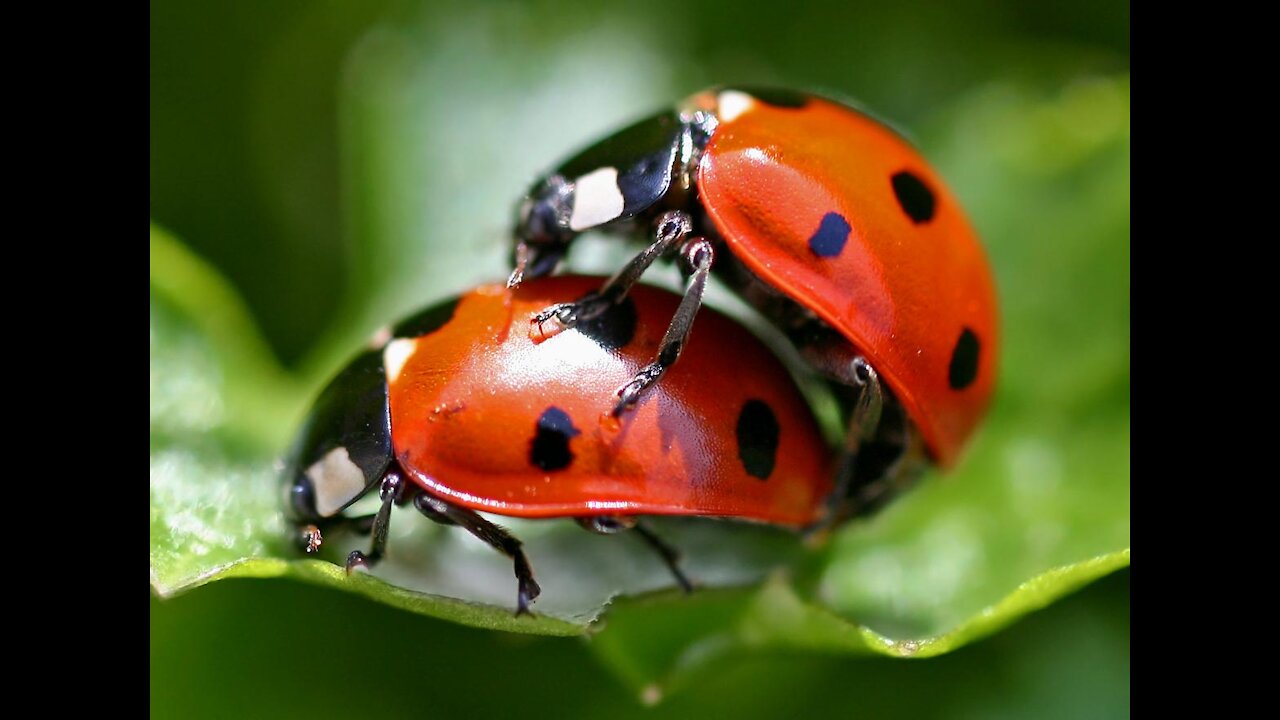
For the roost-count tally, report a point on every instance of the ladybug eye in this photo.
(302, 497)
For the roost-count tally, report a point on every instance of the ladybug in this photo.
(826, 220)
(461, 412)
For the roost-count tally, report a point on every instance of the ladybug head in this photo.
(543, 217)
(542, 225)
(345, 445)
(616, 180)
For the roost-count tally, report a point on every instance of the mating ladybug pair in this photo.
(562, 397)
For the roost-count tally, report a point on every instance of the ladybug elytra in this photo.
(462, 412)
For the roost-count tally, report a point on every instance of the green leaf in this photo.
(288, 651)
(219, 405)
(650, 646)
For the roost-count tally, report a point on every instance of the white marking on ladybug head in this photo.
(596, 199)
(396, 354)
(733, 103)
(336, 481)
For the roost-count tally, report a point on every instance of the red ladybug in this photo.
(826, 220)
(462, 412)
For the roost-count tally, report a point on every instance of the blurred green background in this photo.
(307, 148)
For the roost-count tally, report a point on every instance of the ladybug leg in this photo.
(881, 455)
(698, 256)
(393, 485)
(866, 412)
(534, 261)
(670, 231)
(611, 525)
(428, 511)
(493, 535)
(522, 264)
(874, 460)
(669, 555)
(864, 420)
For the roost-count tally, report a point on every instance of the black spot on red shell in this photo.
(830, 237)
(758, 439)
(964, 360)
(613, 329)
(914, 196)
(426, 321)
(549, 448)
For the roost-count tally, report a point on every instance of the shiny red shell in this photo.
(484, 417)
(844, 216)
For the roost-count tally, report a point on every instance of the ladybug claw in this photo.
(528, 592)
(629, 394)
(355, 560)
(564, 313)
(565, 316)
(681, 579)
(522, 261)
(561, 316)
